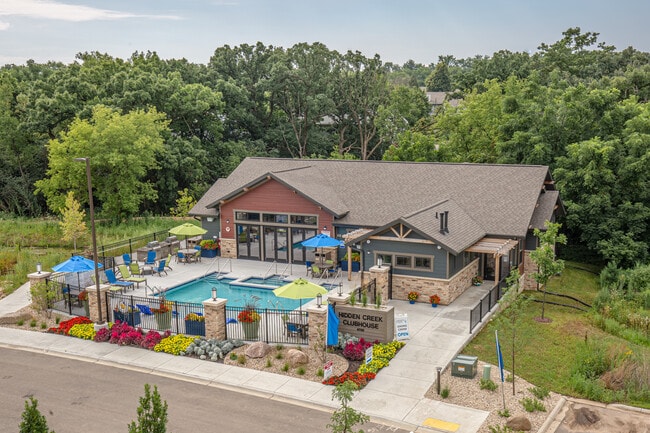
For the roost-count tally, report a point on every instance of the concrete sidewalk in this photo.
(396, 396)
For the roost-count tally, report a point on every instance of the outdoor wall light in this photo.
(319, 300)
(380, 261)
(368, 241)
(210, 219)
(340, 291)
(39, 267)
(214, 293)
(227, 220)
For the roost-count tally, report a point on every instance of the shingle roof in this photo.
(500, 199)
(544, 209)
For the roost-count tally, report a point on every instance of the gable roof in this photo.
(498, 198)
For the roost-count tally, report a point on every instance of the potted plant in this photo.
(195, 324)
(412, 297)
(477, 280)
(163, 315)
(250, 322)
(126, 314)
(356, 262)
(435, 300)
(209, 248)
(83, 298)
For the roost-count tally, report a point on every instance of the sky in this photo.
(398, 30)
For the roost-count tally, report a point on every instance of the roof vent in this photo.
(444, 219)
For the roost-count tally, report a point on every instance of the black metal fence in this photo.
(131, 244)
(485, 304)
(370, 290)
(268, 325)
(157, 314)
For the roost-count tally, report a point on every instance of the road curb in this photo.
(551, 417)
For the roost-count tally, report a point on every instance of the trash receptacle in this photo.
(487, 369)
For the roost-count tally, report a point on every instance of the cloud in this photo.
(4, 25)
(53, 10)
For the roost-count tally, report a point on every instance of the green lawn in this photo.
(547, 351)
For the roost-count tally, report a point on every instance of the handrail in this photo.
(268, 271)
(219, 271)
(284, 271)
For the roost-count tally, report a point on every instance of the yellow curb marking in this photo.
(440, 424)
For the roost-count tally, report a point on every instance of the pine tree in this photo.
(33, 421)
(152, 413)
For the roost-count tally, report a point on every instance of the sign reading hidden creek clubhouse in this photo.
(368, 323)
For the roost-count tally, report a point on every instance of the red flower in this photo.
(248, 316)
(64, 327)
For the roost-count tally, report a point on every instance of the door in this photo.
(275, 244)
(248, 241)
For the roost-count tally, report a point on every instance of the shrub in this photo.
(300, 371)
(152, 413)
(279, 355)
(32, 323)
(64, 327)
(539, 392)
(499, 429)
(152, 338)
(85, 331)
(241, 359)
(444, 393)
(356, 350)
(33, 421)
(269, 364)
(43, 325)
(360, 379)
(320, 372)
(285, 367)
(532, 405)
(21, 322)
(488, 384)
(174, 344)
(504, 413)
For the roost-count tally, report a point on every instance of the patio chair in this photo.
(134, 268)
(316, 271)
(180, 257)
(161, 268)
(169, 260)
(308, 264)
(144, 309)
(151, 258)
(127, 259)
(197, 255)
(126, 276)
(113, 281)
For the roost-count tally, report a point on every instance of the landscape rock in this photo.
(297, 357)
(258, 350)
(519, 423)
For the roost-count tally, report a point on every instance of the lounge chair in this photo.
(113, 281)
(161, 268)
(134, 268)
(168, 262)
(144, 309)
(127, 259)
(296, 330)
(126, 276)
(151, 258)
(309, 270)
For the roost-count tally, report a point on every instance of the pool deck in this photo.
(231, 268)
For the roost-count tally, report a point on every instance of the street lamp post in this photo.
(93, 234)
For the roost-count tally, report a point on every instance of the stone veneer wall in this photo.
(447, 290)
(215, 318)
(529, 269)
(229, 248)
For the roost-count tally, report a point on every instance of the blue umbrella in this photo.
(76, 264)
(332, 326)
(321, 241)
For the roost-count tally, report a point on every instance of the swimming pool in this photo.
(235, 291)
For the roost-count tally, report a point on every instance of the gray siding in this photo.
(375, 247)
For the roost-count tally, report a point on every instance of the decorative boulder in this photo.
(519, 423)
(297, 357)
(258, 349)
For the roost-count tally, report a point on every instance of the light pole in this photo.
(92, 231)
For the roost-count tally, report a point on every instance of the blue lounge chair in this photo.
(161, 268)
(127, 259)
(151, 258)
(113, 281)
(180, 257)
(144, 309)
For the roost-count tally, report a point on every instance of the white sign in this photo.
(369, 355)
(401, 327)
(327, 370)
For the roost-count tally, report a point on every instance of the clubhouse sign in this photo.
(367, 322)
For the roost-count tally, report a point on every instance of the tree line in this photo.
(156, 127)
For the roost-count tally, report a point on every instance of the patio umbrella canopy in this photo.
(299, 289)
(76, 265)
(187, 229)
(321, 241)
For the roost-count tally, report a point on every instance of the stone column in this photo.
(317, 326)
(380, 274)
(215, 318)
(229, 248)
(93, 308)
(36, 278)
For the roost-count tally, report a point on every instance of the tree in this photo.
(438, 80)
(345, 418)
(33, 421)
(544, 256)
(184, 204)
(152, 413)
(72, 220)
(122, 150)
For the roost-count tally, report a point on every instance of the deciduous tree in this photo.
(72, 222)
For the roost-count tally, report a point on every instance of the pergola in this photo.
(495, 246)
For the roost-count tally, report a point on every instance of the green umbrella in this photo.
(187, 229)
(299, 289)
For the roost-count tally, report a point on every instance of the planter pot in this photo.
(411, 302)
(209, 253)
(251, 330)
(164, 320)
(434, 305)
(356, 266)
(86, 307)
(194, 327)
(477, 284)
(132, 318)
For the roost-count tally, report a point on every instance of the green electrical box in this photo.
(464, 366)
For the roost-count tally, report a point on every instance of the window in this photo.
(309, 220)
(275, 218)
(403, 261)
(423, 263)
(247, 216)
(419, 263)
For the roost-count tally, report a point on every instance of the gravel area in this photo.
(467, 392)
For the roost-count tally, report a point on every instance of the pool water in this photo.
(199, 290)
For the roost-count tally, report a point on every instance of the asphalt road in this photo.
(78, 396)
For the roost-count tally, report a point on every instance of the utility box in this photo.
(464, 366)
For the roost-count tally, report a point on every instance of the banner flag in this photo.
(499, 356)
